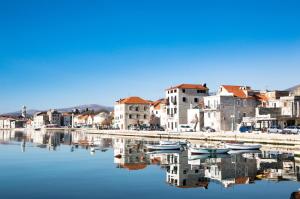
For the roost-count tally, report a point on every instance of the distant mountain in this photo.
(94, 107)
(293, 88)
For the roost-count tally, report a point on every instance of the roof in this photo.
(261, 97)
(133, 100)
(236, 91)
(6, 118)
(82, 117)
(157, 103)
(190, 86)
(242, 180)
(40, 113)
(134, 166)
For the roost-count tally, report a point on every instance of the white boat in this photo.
(169, 146)
(162, 142)
(207, 156)
(243, 151)
(242, 146)
(157, 152)
(208, 150)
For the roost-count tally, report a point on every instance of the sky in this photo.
(61, 53)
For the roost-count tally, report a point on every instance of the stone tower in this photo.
(24, 112)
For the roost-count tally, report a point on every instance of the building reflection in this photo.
(181, 169)
(129, 154)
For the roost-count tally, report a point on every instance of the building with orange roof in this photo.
(179, 99)
(225, 110)
(131, 111)
(158, 110)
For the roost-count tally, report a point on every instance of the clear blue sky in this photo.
(56, 53)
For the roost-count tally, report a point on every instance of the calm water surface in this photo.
(60, 165)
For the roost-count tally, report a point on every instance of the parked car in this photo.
(274, 129)
(291, 130)
(257, 130)
(185, 128)
(208, 129)
(246, 129)
(134, 128)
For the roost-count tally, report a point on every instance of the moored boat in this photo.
(164, 146)
(207, 156)
(208, 150)
(242, 146)
(243, 151)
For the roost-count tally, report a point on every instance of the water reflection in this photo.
(182, 169)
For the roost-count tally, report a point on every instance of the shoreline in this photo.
(262, 138)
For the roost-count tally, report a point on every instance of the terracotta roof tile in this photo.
(134, 166)
(157, 104)
(133, 100)
(236, 91)
(189, 86)
(261, 97)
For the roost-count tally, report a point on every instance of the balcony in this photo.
(218, 107)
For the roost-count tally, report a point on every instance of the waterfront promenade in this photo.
(263, 138)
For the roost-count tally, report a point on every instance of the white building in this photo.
(290, 110)
(179, 99)
(100, 118)
(40, 119)
(80, 120)
(7, 123)
(225, 110)
(54, 117)
(131, 111)
(196, 118)
(158, 109)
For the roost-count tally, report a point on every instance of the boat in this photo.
(243, 151)
(208, 150)
(156, 152)
(242, 146)
(164, 146)
(207, 156)
(183, 143)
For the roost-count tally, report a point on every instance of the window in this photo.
(184, 99)
(175, 110)
(244, 114)
(137, 116)
(198, 91)
(196, 100)
(145, 108)
(183, 90)
(168, 111)
(136, 108)
(145, 116)
(175, 91)
(130, 116)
